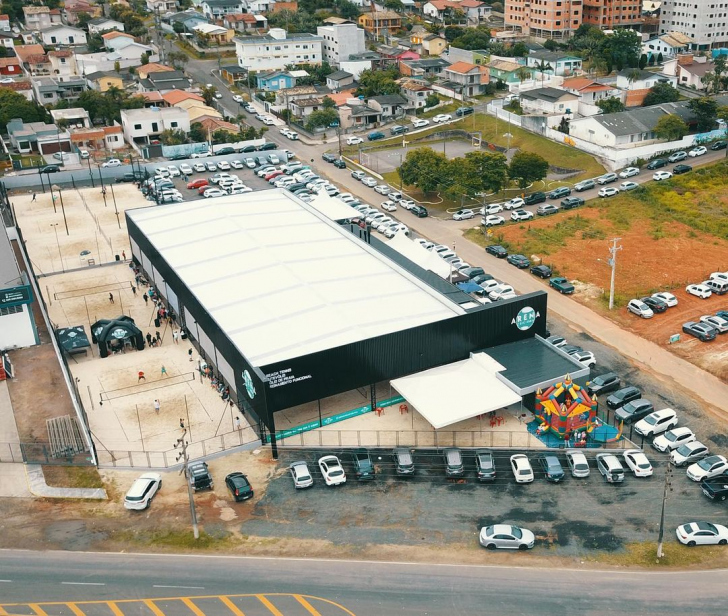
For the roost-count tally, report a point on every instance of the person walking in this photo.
(133, 290)
(159, 338)
(175, 336)
(238, 426)
(146, 299)
(149, 339)
(111, 298)
(189, 352)
(164, 371)
(123, 255)
(141, 377)
(156, 406)
(34, 197)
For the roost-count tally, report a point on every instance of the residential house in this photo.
(416, 92)
(392, 55)
(277, 50)
(162, 6)
(560, 64)
(471, 56)
(434, 44)
(379, 23)
(505, 71)
(50, 91)
(40, 17)
(72, 11)
(130, 55)
(284, 6)
(637, 84)
(590, 93)
(549, 101)
(689, 70)
(340, 41)
(217, 9)
(189, 19)
(164, 81)
(473, 11)
(6, 39)
(99, 138)
(423, 68)
(388, 105)
(272, 81)
(37, 137)
(141, 126)
(74, 117)
(217, 35)
(285, 96)
(63, 35)
(339, 80)
(145, 70)
(10, 67)
(341, 98)
(233, 74)
(175, 97)
(356, 114)
(115, 40)
(210, 125)
(153, 99)
(33, 59)
(101, 81)
(464, 79)
(98, 25)
(303, 107)
(197, 110)
(63, 63)
(245, 22)
(4, 23)
(23, 87)
(666, 45)
(627, 128)
(260, 6)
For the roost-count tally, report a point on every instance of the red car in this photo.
(202, 189)
(197, 183)
(273, 174)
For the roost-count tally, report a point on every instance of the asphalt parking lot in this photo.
(570, 518)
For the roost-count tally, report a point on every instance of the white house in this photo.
(669, 45)
(162, 6)
(140, 126)
(278, 49)
(355, 67)
(133, 52)
(63, 35)
(217, 9)
(689, 70)
(549, 101)
(104, 24)
(561, 64)
(636, 79)
(341, 41)
(116, 40)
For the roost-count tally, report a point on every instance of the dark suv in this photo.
(534, 198)
(463, 111)
(453, 462)
(403, 462)
(551, 467)
(657, 163)
(634, 410)
(199, 476)
(363, 467)
(603, 383)
(571, 202)
(620, 397)
(485, 465)
(328, 157)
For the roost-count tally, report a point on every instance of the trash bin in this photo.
(117, 258)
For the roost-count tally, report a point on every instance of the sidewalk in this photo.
(8, 427)
(38, 487)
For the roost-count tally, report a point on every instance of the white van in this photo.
(717, 286)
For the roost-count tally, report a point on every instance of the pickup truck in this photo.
(562, 285)
(716, 488)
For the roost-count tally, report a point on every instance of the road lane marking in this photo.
(6, 581)
(114, 608)
(193, 608)
(309, 608)
(75, 609)
(231, 606)
(85, 583)
(273, 609)
(152, 606)
(187, 587)
(37, 609)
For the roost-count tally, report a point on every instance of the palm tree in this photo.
(634, 75)
(523, 73)
(542, 67)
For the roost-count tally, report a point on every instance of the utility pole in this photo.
(668, 485)
(180, 442)
(613, 250)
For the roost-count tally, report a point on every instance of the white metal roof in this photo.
(333, 208)
(420, 255)
(281, 280)
(455, 392)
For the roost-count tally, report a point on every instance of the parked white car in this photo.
(666, 297)
(662, 175)
(332, 470)
(142, 491)
(492, 221)
(707, 468)
(389, 206)
(673, 439)
(512, 204)
(699, 290)
(420, 122)
(638, 307)
(627, 186)
(699, 151)
(522, 470)
(717, 323)
(506, 537)
(577, 462)
(521, 215)
(656, 423)
(629, 172)
(493, 208)
(702, 533)
(500, 292)
(442, 117)
(112, 162)
(637, 462)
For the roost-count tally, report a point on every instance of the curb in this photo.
(38, 487)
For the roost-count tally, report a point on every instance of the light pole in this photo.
(60, 256)
(180, 442)
(668, 485)
(613, 250)
(63, 209)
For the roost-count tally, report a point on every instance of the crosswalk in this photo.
(276, 604)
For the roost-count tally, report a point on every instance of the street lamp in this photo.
(508, 136)
(63, 209)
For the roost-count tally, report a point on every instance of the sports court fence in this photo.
(42, 453)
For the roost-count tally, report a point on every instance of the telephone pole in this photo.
(613, 250)
(668, 485)
(180, 442)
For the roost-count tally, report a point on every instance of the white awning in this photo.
(421, 256)
(449, 394)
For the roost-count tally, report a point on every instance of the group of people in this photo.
(215, 382)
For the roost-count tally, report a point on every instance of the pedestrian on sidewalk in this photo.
(189, 352)
(156, 406)
(141, 377)
(34, 197)
(238, 426)
(149, 339)
(164, 371)
(146, 299)
(111, 298)
(133, 290)
(159, 338)
(175, 336)
(123, 255)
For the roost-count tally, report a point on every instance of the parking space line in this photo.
(193, 608)
(114, 608)
(231, 606)
(152, 606)
(309, 608)
(273, 609)
(75, 609)
(37, 609)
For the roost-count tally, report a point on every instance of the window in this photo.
(173, 124)
(10, 310)
(53, 39)
(155, 127)
(137, 126)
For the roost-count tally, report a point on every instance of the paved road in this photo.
(361, 588)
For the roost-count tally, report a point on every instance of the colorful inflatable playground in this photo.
(565, 414)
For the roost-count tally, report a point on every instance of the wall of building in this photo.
(16, 327)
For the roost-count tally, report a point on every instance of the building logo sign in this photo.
(525, 318)
(249, 385)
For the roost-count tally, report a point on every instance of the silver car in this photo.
(142, 491)
(301, 475)
(578, 464)
(506, 537)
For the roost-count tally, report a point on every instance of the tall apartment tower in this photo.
(610, 14)
(705, 22)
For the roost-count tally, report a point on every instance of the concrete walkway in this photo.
(8, 427)
(13, 482)
(38, 487)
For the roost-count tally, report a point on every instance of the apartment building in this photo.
(140, 126)
(278, 49)
(611, 14)
(704, 22)
(341, 41)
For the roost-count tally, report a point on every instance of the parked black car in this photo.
(557, 193)
(328, 157)
(225, 150)
(199, 476)
(339, 164)
(239, 486)
(716, 488)
(657, 163)
(534, 198)
(130, 177)
(481, 278)
(656, 304)
(49, 169)
(571, 202)
(463, 111)
(634, 410)
(603, 383)
(363, 467)
(419, 211)
(520, 261)
(678, 169)
(620, 397)
(485, 465)
(551, 467)
(247, 149)
(403, 462)
(472, 272)
(497, 251)
(267, 146)
(719, 145)
(542, 271)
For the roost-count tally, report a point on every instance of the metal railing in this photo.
(42, 453)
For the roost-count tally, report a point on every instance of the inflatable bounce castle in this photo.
(567, 411)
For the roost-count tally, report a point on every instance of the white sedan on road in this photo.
(442, 117)
(629, 172)
(332, 471)
(638, 463)
(702, 533)
(521, 215)
(707, 468)
(661, 175)
(420, 122)
(354, 140)
(521, 467)
(493, 208)
(608, 191)
(699, 151)
(112, 162)
(666, 297)
(492, 221)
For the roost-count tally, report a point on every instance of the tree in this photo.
(671, 128)
(423, 168)
(197, 133)
(144, 58)
(377, 82)
(490, 169)
(208, 93)
(316, 73)
(14, 105)
(527, 167)
(178, 59)
(661, 93)
(328, 102)
(523, 74)
(83, 19)
(432, 100)
(611, 105)
(659, 58)
(643, 61)
(94, 43)
(348, 10)
(519, 50)
(394, 5)
(453, 32)
(117, 66)
(224, 136)
(705, 110)
(543, 67)
(178, 27)
(621, 48)
(294, 21)
(322, 118)
(473, 38)
(551, 45)
(173, 136)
